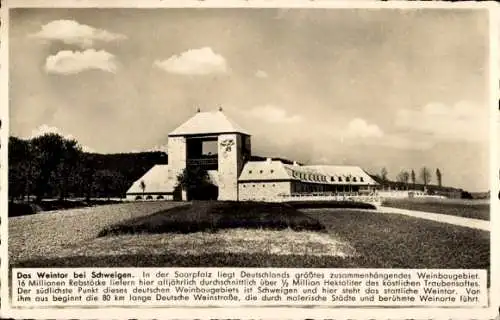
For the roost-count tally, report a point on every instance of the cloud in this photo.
(261, 74)
(273, 114)
(460, 122)
(361, 132)
(45, 129)
(73, 33)
(202, 61)
(405, 143)
(359, 128)
(71, 62)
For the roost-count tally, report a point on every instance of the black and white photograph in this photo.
(262, 137)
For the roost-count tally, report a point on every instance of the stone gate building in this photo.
(213, 141)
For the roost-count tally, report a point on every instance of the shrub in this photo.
(22, 209)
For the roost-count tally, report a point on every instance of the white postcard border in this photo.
(271, 312)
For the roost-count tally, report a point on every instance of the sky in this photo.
(392, 88)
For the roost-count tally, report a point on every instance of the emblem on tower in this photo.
(227, 144)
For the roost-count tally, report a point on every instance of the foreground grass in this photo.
(461, 208)
(23, 208)
(45, 234)
(378, 240)
(278, 242)
(398, 241)
(217, 215)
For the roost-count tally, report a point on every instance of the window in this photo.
(272, 171)
(354, 179)
(138, 198)
(160, 197)
(332, 179)
(253, 186)
(340, 179)
(361, 179)
(250, 171)
(149, 198)
(347, 179)
(263, 186)
(274, 185)
(261, 171)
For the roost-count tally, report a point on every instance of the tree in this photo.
(49, 152)
(196, 182)
(66, 176)
(142, 185)
(87, 173)
(108, 183)
(439, 177)
(383, 174)
(425, 176)
(22, 168)
(403, 177)
(413, 178)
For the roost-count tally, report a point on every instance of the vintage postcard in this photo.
(211, 159)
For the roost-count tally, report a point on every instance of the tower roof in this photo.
(207, 123)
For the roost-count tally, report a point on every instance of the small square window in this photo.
(261, 171)
(250, 171)
(272, 171)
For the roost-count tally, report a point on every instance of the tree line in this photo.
(407, 176)
(51, 166)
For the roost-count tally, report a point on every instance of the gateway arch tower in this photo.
(214, 142)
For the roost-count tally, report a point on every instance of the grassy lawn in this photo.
(455, 207)
(351, 239)
(213, 216)
(22, 208)
(44, 234)
(398, 241)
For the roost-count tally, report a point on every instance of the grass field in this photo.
(352, 238)
(476, 209)
(23, 208)
(44, 234)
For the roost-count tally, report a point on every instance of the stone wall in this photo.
(230, 165)
(176, 159)
(263, 191)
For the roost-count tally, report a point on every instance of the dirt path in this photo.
(459, 221)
